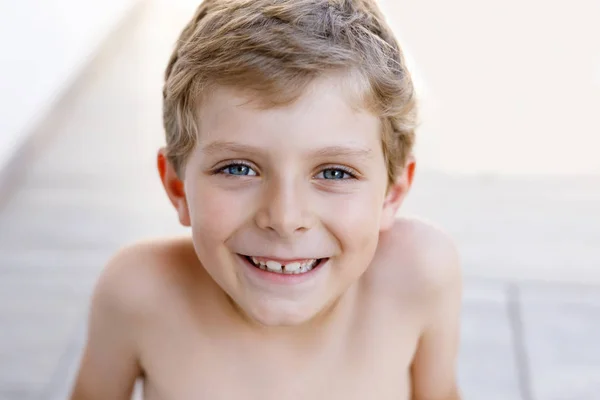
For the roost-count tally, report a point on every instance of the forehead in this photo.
(326, 113)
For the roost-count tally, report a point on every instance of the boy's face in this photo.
(296, 188)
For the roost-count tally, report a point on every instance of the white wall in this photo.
(43, 46)
(511, 87)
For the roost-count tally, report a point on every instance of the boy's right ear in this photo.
(173, 186)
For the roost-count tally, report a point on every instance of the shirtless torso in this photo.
(392, 336)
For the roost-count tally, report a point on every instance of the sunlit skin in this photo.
(377, 317)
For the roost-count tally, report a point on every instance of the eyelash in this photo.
(220, 170)
(351, 173)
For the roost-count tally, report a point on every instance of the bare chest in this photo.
(367, 361)
(333, 386)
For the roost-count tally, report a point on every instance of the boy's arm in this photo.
(109, 366)
(434, 364)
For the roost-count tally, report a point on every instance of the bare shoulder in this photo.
(142, 273)
(138, 282)
(418, 258)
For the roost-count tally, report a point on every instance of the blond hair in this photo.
(275, 49)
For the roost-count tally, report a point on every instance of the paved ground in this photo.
(531, 325)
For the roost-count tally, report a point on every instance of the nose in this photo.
(284, 209)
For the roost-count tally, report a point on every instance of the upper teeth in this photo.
(291, 268)
(274, 266)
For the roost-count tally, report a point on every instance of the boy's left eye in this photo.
(334, 174)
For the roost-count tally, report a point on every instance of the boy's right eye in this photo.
(238, 170)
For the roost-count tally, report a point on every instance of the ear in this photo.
(174, 187)
(397, 193)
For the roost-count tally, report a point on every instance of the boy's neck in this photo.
(323, 323)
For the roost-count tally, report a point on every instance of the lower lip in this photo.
(288, 279)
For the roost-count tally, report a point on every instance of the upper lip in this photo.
(282, 260)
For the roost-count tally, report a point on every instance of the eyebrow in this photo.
(343, 151)
(330, 151)
(229, 147)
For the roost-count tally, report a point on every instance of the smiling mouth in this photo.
(290, 268)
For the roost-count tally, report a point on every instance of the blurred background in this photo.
(507, 163)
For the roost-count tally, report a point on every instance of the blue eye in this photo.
(335, 174)
(238, 170)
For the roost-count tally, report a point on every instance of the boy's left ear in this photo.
(397, 193)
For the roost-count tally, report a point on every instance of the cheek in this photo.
(355, 218)
(216, 213)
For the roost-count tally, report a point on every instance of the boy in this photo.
(289, 127)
